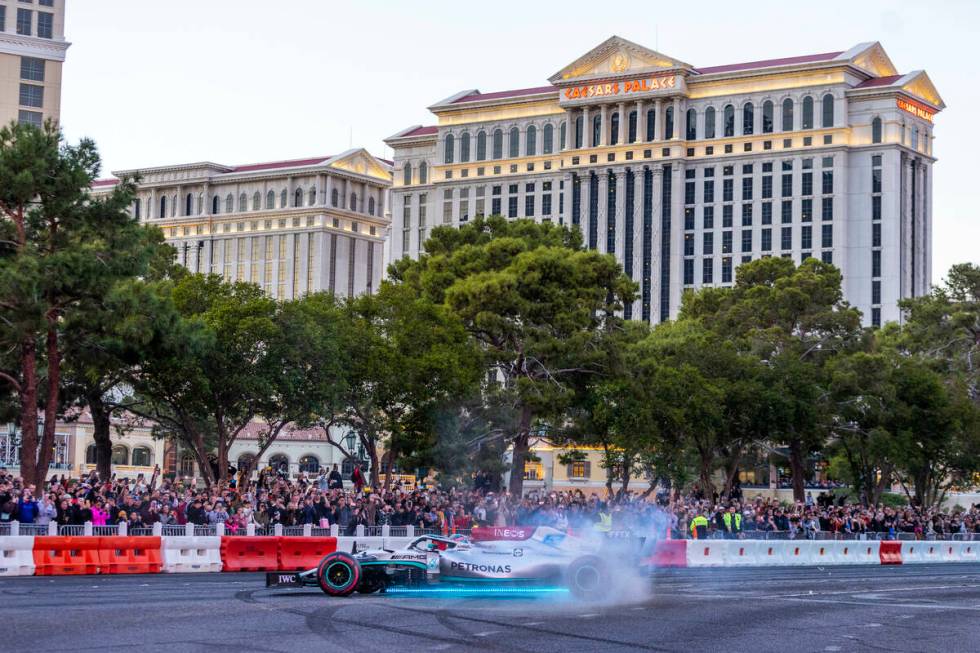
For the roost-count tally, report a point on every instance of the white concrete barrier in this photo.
(182, 555)
(707, 553)
(967, 551)
(859, 552)
(922, 551)
(745, 553)
(17, 555)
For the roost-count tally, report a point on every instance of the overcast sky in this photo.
(237, 81)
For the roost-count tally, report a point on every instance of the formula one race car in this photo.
(548, 556)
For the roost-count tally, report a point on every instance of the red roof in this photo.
(770, 63)
(497, 95)
(292, 163)
(879, 81)
(105, 182)
(422, 131)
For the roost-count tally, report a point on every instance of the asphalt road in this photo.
(910, 608)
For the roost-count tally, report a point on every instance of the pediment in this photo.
(921, 86)
(875, 60)
(362, 163)
(616, 56)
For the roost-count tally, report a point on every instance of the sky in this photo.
(158, 82)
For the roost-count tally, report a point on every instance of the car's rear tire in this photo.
(588, 578)
(338, 574)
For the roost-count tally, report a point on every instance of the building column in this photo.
(601, 215)
(584, 200)
(641, 122)
(569, 131)
(638, 240)
(586, 129)
(656, 245)
(677, 118)
(677, 234)
(621, 212)
(658, 120)
(624, 124)
(567, 193)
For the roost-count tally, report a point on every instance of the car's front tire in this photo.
(588, 578)
(338, 574)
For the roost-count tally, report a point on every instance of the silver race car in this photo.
(548, 556)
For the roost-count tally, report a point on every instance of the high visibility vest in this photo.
(727, 518)
(605, 522)
(700, 520)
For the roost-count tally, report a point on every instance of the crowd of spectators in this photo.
(325, 499)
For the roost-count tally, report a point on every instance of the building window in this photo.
(549, 139)
(283, 199)
(669, 123)
(24, 19)
(876, 263)
(3, 18)
(876, 291)
(746, 240)
(709, 122)
(652, 124)
(807, 113)
(531, 138)
(449, 147)
(371, 206)
(32, 69)
(353, 202)
(31, 95)
(298, 197)
(45, 25)
(514, 143)
(309, 464)
(787, 115)
(729, 120)
(498, 143)
(748, 119)
(726, 270)
(692, 125)
(423, 173)
(876, 130)
(806, 237)
(767, 121)
(596, 130)
(270, 200)
(614, 128)
(827, 111)
(766, 240)
(827, 236)
(579, 469)
(787, 238)
(464, 147)
(120, 455)
(142, 457)
(35, 118)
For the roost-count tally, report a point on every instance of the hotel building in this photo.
(32, 49)
(292, 227)
(684, 172)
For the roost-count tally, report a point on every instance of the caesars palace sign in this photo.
(621, 88)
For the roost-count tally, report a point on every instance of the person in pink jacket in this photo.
(99, 515)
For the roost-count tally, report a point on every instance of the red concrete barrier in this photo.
(302, 553)
(250, 553)
(669, 553)
(66, 556)
(130, 555)
(890, 552)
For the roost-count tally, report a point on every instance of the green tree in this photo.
(60, 248)
(534, 300)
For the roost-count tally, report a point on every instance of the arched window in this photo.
(309, 464)
(120, 455)
(311, 197)
(256, 201)
(614, 128)
(136, 208)
(748, 119)
(807, 113)
(578, 132)
(407, 174)
(514, 142)
(481, 146)
(876, 130)
(631, 127)
(651, 124)
(423, 173)
(498, 143)
(767, 117)
(245, 460)
(242, 202)
(448, 149)
(371, 206)
(163, 207)
(283, 199)
(189, 204)
(562, 137)
(270, 200)
(596, 130)
(531, 138)
(334, 197)
(229, 203)
(729, 120)
(692, 125)
(142, 457)
(215, 205)
(279, 462)
(353, 201)
(90, 455)
(709, 122)
(464, 147)
(298, 197)
(827, 111)
(548, 135)
(669, 123)
(787, 115)
(187, 464)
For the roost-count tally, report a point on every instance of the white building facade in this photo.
(292, 227)
(683, 173)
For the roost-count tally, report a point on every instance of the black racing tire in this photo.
(338, 574)
(588, 578)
